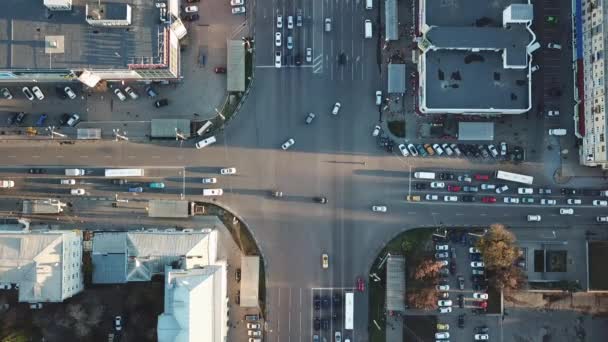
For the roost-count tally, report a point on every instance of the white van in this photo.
(557, 131)
(424, 175)
(533, 47)
(205, 142)
(369, 4)
(368, 28)
(204, 128)
(213, 192)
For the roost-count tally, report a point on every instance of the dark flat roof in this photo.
(452, 83)
(466, 12)
(25, 28)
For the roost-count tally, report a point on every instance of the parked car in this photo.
(450, 198)
(600, 203)
(309, 118)
(501, 189)
(525, 191)
(437, 185)
(442, 247)
(121, 96)
(41, 120)
(38, 93)
(447, 309)
(69, 92)
(238, 10)
(136, 189)
(132, 94)
(442, 287)
(118, 323)
(77, 192)
(488, 199)
(6, 93)
(379, 208)
(376, 131)
(478, 295)
(228, 171)
(73, 120)
(438, 149)
(28, 93)
(574, 201)
(545, 201)
(157, 185)
(5, 184)
(287, 144)
(430, 197)
(477, 264)
(151, 91)
(403, 149)
(191, 9)
(161, 103)
(512, 200)
(336, 108)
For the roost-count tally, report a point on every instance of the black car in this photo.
(591, 192)
(61, 93)
(335, 316)
(342, 59)
(317, 324)
(453, 267)
(461, 321)
(11, 119)
(569, 191)
(65, 117)
(238, 297)
(461, 301)
(325, 302)
(482, 330)
(119, 181)
(446, 176)
(317, 303)
(420, 186)
(237, 275)
(337, 299)
(161, 103)
(191, 17)
(468, 198)
(19, 118)
(325, 324)
(37, 171)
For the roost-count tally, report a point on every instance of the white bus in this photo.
(116, 173)
(349, 302)
(514, 177)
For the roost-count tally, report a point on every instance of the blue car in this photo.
(136, 189)
(41, 120)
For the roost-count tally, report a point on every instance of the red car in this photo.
(482, 177)
(360, 284)
(481, 304)
(489, 200)
(454, 188)
(220, 70)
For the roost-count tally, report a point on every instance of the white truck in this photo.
(424, 175)
(74, 172)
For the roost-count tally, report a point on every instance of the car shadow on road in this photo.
(381, 173)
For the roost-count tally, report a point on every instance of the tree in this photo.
(427, 269)
(424, 298)
(507, 279)
(498, 247)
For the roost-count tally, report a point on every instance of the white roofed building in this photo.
(47, 265)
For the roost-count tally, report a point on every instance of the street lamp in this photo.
(220, 114)
(179, 135)
(118, 136)
(51, 130)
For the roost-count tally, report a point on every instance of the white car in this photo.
(442, 287)
(7, 184)
(308, 55)
(465, 178)
(477, 264)
(534, 218)
(228, 171)
(437, 185)
(442, 247)
(602, 219)
(566, 211)
(132, 94)
(379, 208)
(474, 250)
(69, 92)
(237, 2)
(277, 39)
(119, 94)
(525, 191)
(430, 197)
(574, 201)
(534, 68)
(309, 118)
(336, 108)
(378, 97)
(213, 192)
(485, 186)
(191, 9)
(277, 59)
(554, 46)
(447, 149)
(253, 326)
(512, 200)
(286, 145)
(73, 120)
(438, 149)
(6, 93)
(238, 10)
(290, 22)
(279, 21)
(450, 198)
(493, 150)
(413, 150)
(38, 93)
(77, 192)
(446, 309)
(209, 180)
(28, 93)
(118, 323)
(403, 149)
(205, 142)
(553, 113)
(442, 335)
(502, 189)
(600, 203)
(376, 131)
(68, 182)
(503, 148)
(482, 337)
(254, 333)
(478, 295)
(546, 201)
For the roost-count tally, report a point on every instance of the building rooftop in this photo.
(33, 38)
(467, 12)
(450, 82)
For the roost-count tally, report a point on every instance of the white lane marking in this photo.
(84, 157)
(107, 156)
(459, 214)
(12, 156)
(35, 156)
(131, 157)
(483, 214)
(289, 316)
(59, 156)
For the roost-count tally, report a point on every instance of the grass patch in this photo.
(397, 128)
(409, 244)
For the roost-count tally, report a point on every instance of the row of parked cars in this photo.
(36, 93)
(456, 150)
(65, 120)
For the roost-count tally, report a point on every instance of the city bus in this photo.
(514, 177)
(349, 301)
(117, 173)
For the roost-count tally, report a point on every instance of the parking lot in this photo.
(329, 314)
